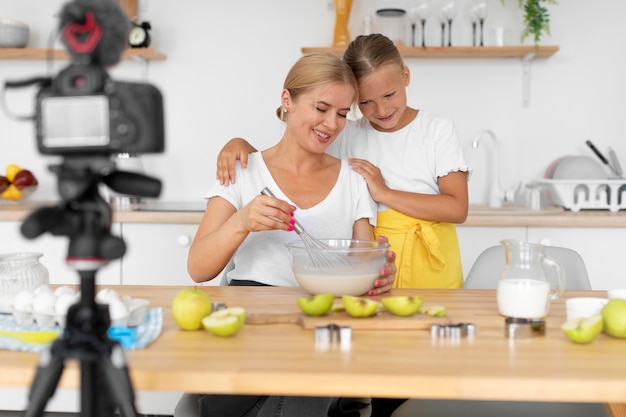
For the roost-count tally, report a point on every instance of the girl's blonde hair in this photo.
(316, 70)
(368, 52)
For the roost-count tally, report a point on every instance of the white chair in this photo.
(484, 274)
(486, 270)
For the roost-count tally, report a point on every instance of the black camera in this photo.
(83, 111)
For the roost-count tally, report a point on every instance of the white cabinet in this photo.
(156, 253)
(474, 240)
(54, 250)
(603, 250)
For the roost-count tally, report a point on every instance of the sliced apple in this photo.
(225, 322)
(402, 305)
(583, 330)
(360, 306)
(317, 305)
(433, 311)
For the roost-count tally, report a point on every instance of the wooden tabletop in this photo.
(283, 359)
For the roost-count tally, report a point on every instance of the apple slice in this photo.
(433, 311)
(225, 322)
(318, 305)
(402, 305)
(359, 306)
(583, 330)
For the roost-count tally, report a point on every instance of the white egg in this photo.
(64, 289)
(105, 295)
(44, 302)
(42, 288)
(117, 309)
(64, 301)
(23, 300)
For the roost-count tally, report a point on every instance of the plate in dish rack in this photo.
(576, 167)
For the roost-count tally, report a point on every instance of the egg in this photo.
(117, 310)
(105, 295)
(44, 302)
(23, 300)
(42, 288)
(63, 289)
(63, 303)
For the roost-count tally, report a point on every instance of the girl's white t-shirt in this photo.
(262, 256)
(410, 159)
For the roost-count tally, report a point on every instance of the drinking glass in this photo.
(420, 13)
(478, 13)
(447, 13)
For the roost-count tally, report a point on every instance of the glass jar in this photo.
(20, 271)
(392, 24)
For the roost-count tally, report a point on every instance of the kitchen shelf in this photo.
(457, 51)
(144, 54)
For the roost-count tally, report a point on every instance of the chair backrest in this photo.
(485, 272)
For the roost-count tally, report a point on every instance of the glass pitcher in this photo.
(20, 271)
(524, 290)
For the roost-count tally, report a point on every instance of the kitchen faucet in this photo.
(496, 194)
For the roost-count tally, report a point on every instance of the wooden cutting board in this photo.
(382, 320)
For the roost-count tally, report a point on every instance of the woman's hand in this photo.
(387, 275)
(267, 213)
(235, 149)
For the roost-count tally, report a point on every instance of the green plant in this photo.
(536, 18)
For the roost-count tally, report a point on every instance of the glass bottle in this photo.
(20, 271)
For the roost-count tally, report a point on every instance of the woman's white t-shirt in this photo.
(262, 256)
(410, 159)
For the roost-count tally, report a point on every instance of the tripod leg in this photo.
(118, 381)
(44, 384)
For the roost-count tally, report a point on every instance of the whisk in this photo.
(319, 259)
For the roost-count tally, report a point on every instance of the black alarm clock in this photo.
(139, 37)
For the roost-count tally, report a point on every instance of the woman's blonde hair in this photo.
(368, 52)
(316, 70)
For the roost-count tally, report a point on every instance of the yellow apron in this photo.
(427, 253)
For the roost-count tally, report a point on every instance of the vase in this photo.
(19, 271)
(342, 15)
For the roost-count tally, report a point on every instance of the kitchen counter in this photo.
(479, 215)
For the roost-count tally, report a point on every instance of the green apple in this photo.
(225, 322)
(318, 305)
(360, 306)
(433, 311)
(614, 315)
(583, 329)
(402, 305)
(189, 307)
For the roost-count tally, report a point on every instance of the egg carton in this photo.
(577, 195)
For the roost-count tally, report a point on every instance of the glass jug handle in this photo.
(560, 285)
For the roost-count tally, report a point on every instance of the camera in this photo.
(83, 111)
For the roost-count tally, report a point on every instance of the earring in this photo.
(284, 109)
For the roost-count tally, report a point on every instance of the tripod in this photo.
(85, 217)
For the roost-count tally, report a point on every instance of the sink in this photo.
(511, 210)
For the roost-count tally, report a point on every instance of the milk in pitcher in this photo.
(523, 298)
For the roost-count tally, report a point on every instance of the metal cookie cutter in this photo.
(516, 328)
(453, 331)
(218, 306)
(333, 335)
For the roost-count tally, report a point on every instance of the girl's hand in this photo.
(373, 177)
(234, 150)
(387, 275)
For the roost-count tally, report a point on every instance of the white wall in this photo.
(227, 60)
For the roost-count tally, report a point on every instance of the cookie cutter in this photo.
(517, 328)
(332, 335)
(218, 306)
(453, 330)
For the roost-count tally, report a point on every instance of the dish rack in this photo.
(577, 195)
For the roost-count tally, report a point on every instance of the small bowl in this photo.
(13, 33)
(582, 307)
(617, 293)
(337, 266)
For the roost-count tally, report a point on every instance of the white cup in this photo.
(617, 293)
(498, 36)
(582, 307)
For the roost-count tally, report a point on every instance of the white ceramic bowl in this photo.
(345, 267)
(13, 33)
(617, 293)
(581, 307)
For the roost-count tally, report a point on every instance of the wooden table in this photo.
(283, 359)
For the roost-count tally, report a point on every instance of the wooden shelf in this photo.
(147, 54)
(457, 51)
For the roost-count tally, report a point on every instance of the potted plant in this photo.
(536, 18)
